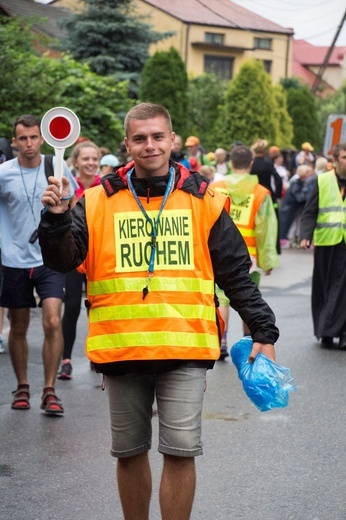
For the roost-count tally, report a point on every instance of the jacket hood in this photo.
(239, 185)
(187, 181)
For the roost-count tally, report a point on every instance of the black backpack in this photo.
(48, 166)
(6, 152)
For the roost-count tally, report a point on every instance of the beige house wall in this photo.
(74, 5)
(331, 75)
(186, 34)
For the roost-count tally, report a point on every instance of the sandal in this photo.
(21, 398)
(50, 402)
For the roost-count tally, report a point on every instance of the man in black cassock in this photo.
(324, 221)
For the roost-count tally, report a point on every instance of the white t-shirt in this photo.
(21, 190)
(218, 177)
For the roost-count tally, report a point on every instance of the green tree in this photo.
(101, 103)
(205, 95)
(292, 82)
(15, 43)
(40, 83)
(303, 110)
(111, 39)
(283, 121)
(164, 81)
(249, 109)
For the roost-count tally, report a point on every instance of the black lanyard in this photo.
(153, 223)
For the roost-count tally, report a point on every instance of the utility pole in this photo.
(326, 59)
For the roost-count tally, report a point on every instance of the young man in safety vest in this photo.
(154, 239)
(253, 213)
(324, 221)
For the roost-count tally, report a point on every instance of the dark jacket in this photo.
(293, 202)
(64, 243)
(267, 175)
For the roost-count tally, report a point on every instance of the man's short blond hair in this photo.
(145, 111)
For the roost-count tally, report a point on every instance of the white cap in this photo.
(109, 160)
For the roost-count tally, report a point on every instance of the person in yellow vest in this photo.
(253, 213)
(323, 222)
(154, 239)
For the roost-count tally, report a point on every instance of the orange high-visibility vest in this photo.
(177, 318)
(243, 214)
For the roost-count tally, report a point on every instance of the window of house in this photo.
(267, 65)
(220, 66)
(263, 43)
(214, 38)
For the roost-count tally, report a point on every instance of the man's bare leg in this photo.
(134, 484)
(224, 311)
(53, 339)
(17, 343)
(177, 490)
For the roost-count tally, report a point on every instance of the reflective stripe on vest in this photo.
(177, 319)
(249, 236)
(152, 345)
(158, 310)
(157, 284)
(330, 227)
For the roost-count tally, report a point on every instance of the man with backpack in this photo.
(22, 182)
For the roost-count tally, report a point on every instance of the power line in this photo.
(320, 34)
(326, 59)
(292, 19)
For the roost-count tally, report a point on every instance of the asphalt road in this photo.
(287, 464)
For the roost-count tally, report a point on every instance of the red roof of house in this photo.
(306, 55)
(221, 13)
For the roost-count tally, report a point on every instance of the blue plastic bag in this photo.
(266, 383)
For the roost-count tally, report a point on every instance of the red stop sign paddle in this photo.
(60, 128)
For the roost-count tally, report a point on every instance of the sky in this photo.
(315, 21)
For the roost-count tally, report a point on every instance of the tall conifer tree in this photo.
(302, 108)
(249, 110)
(109, 36)
(284, 124)
(164, 81)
